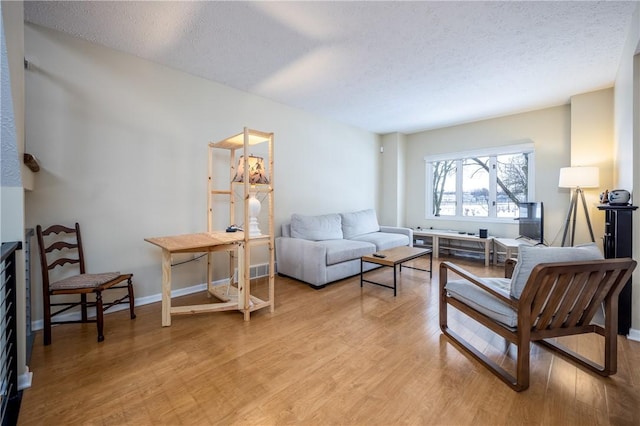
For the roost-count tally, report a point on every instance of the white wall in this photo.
(122, 144)
(12, 221)
(393, 181)
(592, 145)
(626, 142)
(548, 129)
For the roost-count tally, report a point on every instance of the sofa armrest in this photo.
(399, 230)
(302, 259)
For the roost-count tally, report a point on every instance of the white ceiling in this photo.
(381, 66)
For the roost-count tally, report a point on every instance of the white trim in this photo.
(484, 152)
(24, 380)
(634, 335)
(146, 300)
(139, 301)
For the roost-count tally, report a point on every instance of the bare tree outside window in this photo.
(444, 174)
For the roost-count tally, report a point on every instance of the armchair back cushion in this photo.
(359, 223)
(530, 256)
(316, 228)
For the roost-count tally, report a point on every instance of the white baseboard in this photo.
(257, 271)
(24, 380)
(634, 335)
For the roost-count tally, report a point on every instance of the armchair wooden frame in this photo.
(71, 252)
(559, 299)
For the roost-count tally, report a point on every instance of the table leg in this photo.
(361, 267)
(487, 253)
(431, 265)
(394, 280)
(435, 245)
(243, 283)
(166, 288)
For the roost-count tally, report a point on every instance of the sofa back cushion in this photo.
(530, 256)
(358, 223)
(316, 228)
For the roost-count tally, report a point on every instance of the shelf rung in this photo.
(215, 191)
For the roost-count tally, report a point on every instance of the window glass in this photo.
(480, 184)
(444, 188)
(475, 187)
(513, 183)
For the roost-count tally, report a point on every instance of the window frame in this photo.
(493, 153)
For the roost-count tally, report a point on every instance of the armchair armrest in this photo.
(509, 266)
(444, 266)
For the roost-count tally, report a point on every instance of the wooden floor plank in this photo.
(340, 355)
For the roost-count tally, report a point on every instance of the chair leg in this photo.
(47, 318)
(131, 299)
(83, 307)
(99, 316)
(523, 347)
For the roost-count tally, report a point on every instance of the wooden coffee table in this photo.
(394, 257)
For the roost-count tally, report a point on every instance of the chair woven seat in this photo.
(84, 281)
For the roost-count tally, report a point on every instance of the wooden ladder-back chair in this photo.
(557, 299)
(60, 246)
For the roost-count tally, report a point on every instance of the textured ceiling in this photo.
(380, 66)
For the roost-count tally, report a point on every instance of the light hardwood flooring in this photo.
(340, 355)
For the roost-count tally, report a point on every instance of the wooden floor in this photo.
(340, 355)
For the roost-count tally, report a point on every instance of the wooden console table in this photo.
(485, 243)
(233, 298)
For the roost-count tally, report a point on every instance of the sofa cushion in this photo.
(383, 240)
(344, 250)
(358, 223)
(529, 257)
(482, 301)
(316, 228)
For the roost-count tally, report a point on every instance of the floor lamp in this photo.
(577, 178)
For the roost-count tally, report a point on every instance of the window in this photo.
(480, 184)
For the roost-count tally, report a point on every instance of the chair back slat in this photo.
(554, 293)
(585, 300)
(60, 245)
(61, 262)
(570, 294)
(57, 229)
(612, 279)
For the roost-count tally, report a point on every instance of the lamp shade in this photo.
(257, 172)
(583, 177)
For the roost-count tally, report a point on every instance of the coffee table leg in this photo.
(394, 280)
(431, 265)
(361, 263)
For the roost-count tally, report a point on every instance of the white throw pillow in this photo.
(530, 256)
(316, 228)
(359, 223)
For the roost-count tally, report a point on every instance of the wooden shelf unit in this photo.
(227, 292)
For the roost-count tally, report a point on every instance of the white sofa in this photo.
(321, 249)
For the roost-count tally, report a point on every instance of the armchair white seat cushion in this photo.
(472, 295)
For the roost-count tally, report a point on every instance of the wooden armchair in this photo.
(62, 246)
(556, 299)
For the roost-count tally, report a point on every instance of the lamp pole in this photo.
(572, 214)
